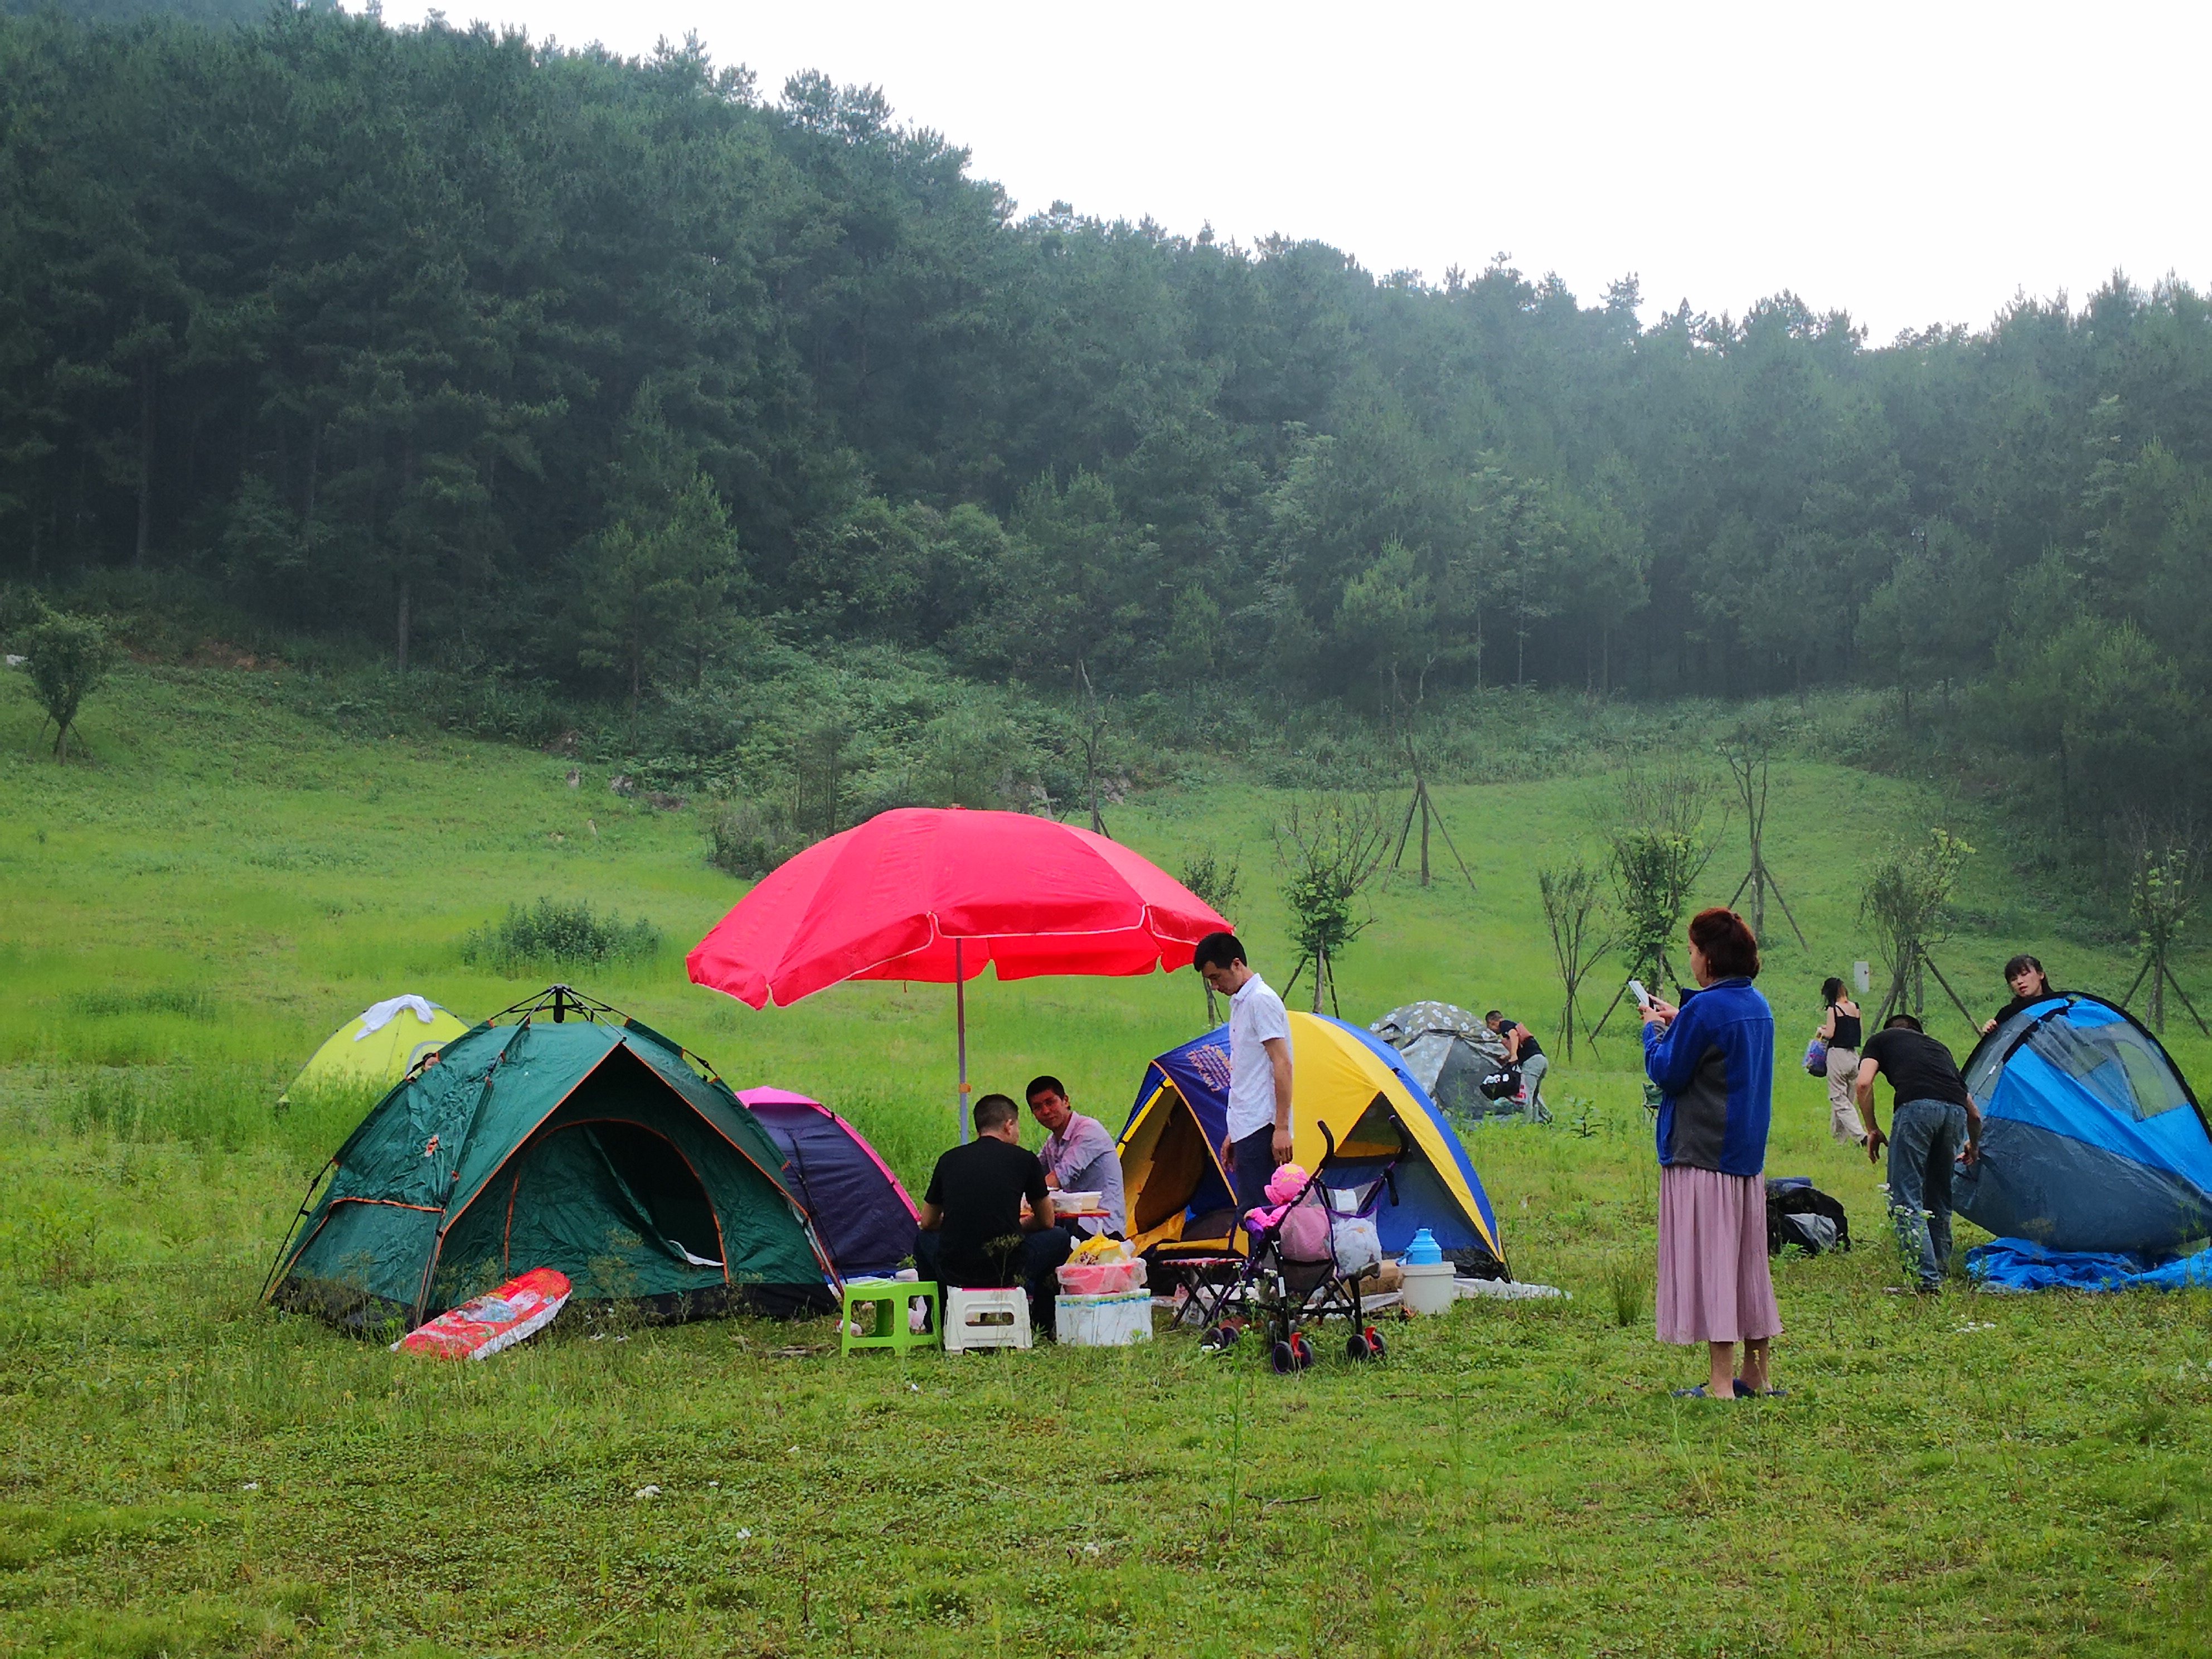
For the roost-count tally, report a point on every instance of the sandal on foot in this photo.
(1743, 1393)
(1697, 1393)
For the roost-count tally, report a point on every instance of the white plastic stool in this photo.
(986, 1319)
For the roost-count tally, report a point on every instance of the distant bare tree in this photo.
(2163, 888)
(1328, 849)
(1097, 718)
(1907, 901)
(1574, 899)
(1422, 808)
(1748, 752)
(1662, 837)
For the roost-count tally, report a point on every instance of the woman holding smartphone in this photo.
(1712, 1060)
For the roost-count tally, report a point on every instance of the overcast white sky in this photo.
(1912, 163)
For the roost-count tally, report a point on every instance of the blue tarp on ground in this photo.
(2018, 1264)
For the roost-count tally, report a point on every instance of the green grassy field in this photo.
(187, 916)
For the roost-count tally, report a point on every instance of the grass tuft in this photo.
(1628, 1285)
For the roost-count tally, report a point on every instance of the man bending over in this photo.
(1933, 1122)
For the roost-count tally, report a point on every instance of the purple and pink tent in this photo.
(863, 1217)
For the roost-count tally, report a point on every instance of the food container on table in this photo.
(1078, 1200)
(1102, 1278)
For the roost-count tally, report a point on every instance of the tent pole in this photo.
(960, 1022)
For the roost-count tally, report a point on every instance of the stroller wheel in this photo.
(1355, 1347)
(1217, 1338)
(1302, 1351)
(1376, 1345)
(1284, 1360)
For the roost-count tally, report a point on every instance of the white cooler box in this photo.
(1105, 1322)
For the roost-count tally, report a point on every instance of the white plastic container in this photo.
(1105, 1322)
(1428, 1288)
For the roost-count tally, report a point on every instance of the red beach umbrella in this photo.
(920, 893)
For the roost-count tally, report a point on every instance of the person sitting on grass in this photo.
(2030, 985)
(974, 1234)
(1078, 1157)
(1933, 1123)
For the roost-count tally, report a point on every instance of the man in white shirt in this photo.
(1259, 1135)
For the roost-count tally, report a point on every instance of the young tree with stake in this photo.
(67, 657)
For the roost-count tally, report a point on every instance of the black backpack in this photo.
(1799, 1213)
(1502, 1084)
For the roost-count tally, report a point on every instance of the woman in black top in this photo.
(1840, 1030)
(2030, 985)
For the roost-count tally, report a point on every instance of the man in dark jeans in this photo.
(1933, 1123)
(974, 1234)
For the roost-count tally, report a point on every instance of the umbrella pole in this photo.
(960, 1022)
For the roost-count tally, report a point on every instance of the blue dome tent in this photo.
(2091, 1139)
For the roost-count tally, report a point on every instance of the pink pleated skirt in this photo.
(1714, 1285)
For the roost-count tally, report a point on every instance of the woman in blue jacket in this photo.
(1713, 1061)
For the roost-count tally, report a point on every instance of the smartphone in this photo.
(1643, 997)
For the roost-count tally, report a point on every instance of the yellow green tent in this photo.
(1178, 1191)
(381, 1044)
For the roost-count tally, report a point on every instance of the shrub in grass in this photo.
(1627, 1285)
(67, 657)
(550, 934)
(749, 838)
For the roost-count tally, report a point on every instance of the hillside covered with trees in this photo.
(607, 374)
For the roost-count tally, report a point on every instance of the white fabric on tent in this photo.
(376, 1019)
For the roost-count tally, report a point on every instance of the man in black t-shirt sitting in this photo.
(1933, 1123)
(974, 1234)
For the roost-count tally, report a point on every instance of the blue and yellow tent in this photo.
(2091, 1139)
(1179, 1194)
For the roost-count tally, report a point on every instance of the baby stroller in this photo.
(1306, 1267)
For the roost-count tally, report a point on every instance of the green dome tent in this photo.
(569, 1136)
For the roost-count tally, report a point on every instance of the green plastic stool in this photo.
(889, 1297)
